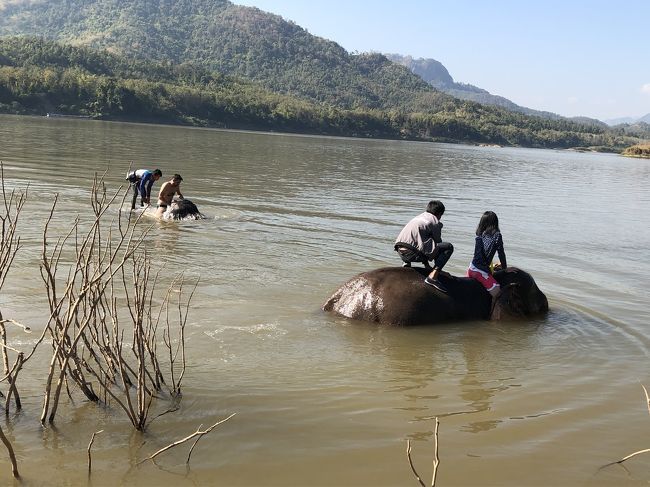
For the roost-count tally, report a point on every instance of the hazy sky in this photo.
(572, 57)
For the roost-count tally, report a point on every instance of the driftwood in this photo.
(436, 459)
(198, 434)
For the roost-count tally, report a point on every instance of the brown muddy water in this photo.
(322, 400)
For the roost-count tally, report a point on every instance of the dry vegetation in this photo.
(113, 338)
(640, 150)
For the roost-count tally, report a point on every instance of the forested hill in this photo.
(231, 39)
(38, 76)
(184, 60)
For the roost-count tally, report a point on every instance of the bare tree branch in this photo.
(408, 456)
(90, 445)
(632, 455)
(436, 459)
(85, 324)
(198, 433)
(12, 455)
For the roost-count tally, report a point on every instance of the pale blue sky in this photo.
(575, 57)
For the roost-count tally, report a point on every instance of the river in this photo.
(321, 400)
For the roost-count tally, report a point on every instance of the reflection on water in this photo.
(321, 400)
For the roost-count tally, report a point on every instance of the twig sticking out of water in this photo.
(631, 455)
(12, 455)
(408, 456)
(90, 445)
(26, 328)
(436, 459)
(627, 457)
(198, 433)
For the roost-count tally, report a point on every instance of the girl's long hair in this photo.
(489, 224)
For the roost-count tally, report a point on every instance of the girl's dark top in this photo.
(486, 245)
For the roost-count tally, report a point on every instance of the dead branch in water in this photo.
(436, 459)
(198, 433)
(26, 328)
(632, 455)
(180, 342)
(10, 210)
(90, 445)
(9, 246)
(12, 455)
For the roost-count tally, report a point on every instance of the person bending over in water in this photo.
(142, 181)
(167, 192)
(487, 242)
(421, 241)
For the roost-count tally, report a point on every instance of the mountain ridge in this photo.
(437, 75)
(612, 122)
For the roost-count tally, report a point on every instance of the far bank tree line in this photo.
(37, 77)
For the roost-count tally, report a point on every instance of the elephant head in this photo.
(520, 297)
(183, 210)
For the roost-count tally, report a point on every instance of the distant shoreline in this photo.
(253, 129)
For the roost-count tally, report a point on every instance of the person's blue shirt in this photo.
(486, 245)
(145, 183)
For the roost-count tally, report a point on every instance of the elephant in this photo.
(399, 296)
(183, 210)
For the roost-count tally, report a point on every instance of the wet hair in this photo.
(177, 177)
(489, 224)
(436, 208)
(158, 173)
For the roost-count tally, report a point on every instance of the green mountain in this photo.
(231, 39)
(38, 76)
(186, 60)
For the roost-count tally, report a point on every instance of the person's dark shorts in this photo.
(441, 254)
(409, 256)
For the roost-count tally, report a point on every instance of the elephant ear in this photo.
(511, 300)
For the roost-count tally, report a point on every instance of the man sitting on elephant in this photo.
(421, 241)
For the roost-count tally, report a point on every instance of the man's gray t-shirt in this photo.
(424, 232)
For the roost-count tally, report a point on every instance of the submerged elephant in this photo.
(183, 210)
(399, 296)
